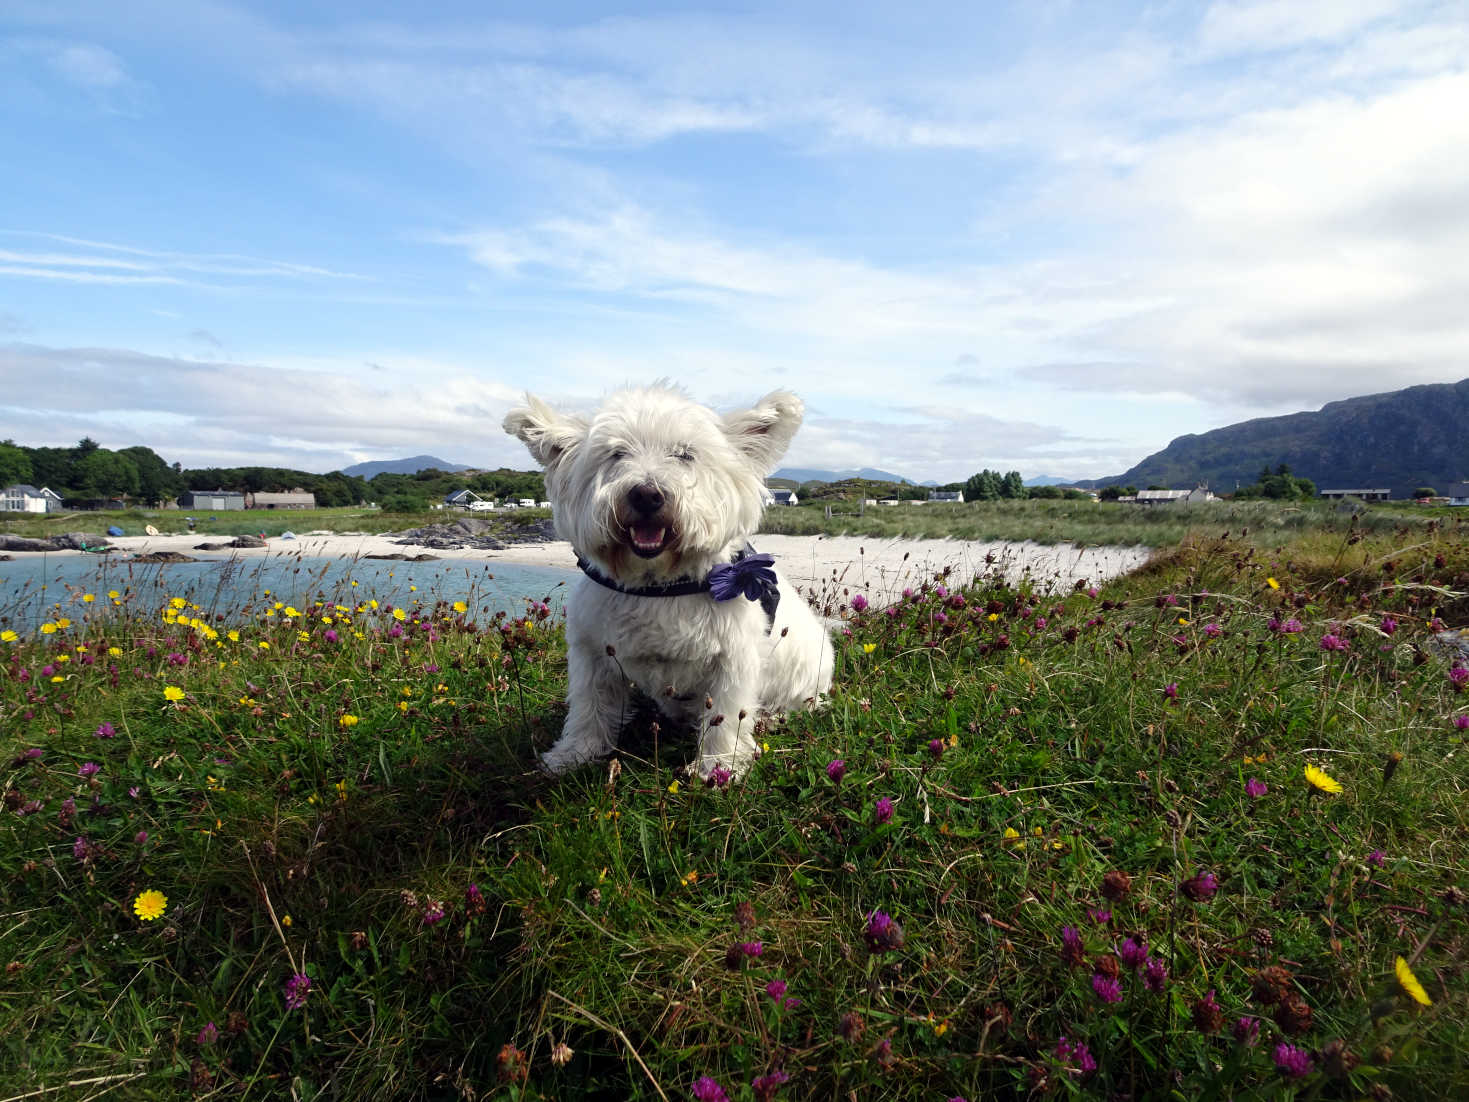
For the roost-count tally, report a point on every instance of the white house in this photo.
(21, 498)
(1458, 493)
(784, 497)
(1365, 495)
(946, 495)
(463, 499)
(1169, 497)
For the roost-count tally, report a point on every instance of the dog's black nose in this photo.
(646, 499)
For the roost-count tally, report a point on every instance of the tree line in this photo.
(89, 472)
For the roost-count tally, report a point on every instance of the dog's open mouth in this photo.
(648, 540)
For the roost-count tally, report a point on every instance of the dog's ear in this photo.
(549, 435)
(764, 432)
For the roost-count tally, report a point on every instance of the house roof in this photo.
(217, 493)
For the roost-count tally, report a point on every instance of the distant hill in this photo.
(411, 465)
(1399, 440)
(1049, 480)
(809, 474)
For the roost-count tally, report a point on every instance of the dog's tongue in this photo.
(647, 536)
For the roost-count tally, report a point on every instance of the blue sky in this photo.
(1046, 236)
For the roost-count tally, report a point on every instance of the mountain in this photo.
(411, 465)
(1399, 440)
(1049, 480)
(808, 474)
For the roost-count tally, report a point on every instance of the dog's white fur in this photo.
(698, 658)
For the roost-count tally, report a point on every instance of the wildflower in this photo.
(1271, 985)
(297, 988)
(1332, 641)
(719, 777)
(1293, 1015)
(883, 1054)
(752, 948)
(1320, 781)
(347, 720)
(1212, 630)
(859, 603)
(1462, 722)
(868, 648)
(1390, 765)
(776, 989)
(707, 1090)
(1246, 1031)
(172, 693)
(882, 932)
(1072, 952)
(1099, 916)
(1255, 788)
(140, 838)
(1133, 953)
(1116, 884)
(836, 770)
(1108, 989)
(1388, 625)
(1377, 858)
(81, 849)
(433, 913)
(1155, 975)
(105, 730)
(208, 1035)
(474, 900)
(8, 636)
(88, 769)
(1074, 1054)
(883, 812)
(150, 904)
(1294, 1063)
(330, 635)
(1409, 983)
(766, 1086)
(1200, 888)
(1458, 678)
(561, 1052)
(1207, 1015)
(936, 748)
(1272, 583)
(1011, 837)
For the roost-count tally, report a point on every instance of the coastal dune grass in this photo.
(1036, 843)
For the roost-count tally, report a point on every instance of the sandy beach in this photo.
(877, 568)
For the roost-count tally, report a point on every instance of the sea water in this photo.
(38, 587)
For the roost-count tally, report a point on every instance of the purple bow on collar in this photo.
(752, 575)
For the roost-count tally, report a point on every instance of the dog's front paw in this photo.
(562, 758)
(719, 770)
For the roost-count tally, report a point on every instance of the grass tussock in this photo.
(1200, 833)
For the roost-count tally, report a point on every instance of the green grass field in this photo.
(1073, 849)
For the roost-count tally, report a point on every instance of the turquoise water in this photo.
(33, 585)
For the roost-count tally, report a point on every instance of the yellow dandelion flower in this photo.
(88, 598)
(1409, 983)
(402, 705)
(172, 693)
(1012, 838)
(460, 606)
(286, 921)
(1183, 621)
(341, 787)
(150, 904)
(347, 720)
(1319, 780)
(233, 637)
(868, 648)
(57, 678)
(263, 645)
(292, 612)
(63, 658)
(691, 877)
(177, 602)
(115, 652)
(1272, 583)
(48, 629)
(113, 594)
(372, 604)
(8, 636)
(940, 1028)
(399, 614)
(63, 622)
(992, 617)
(413, 589)
(673, 787)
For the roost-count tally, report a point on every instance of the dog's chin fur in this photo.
(709, 474)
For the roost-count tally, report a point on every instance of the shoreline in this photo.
(878, 568)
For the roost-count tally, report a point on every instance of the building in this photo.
(1365, 495)
(213, 501)
(21, 498)
(784, 497)
(464, 499)
(1457, 493)
(1169, 497)
(946, 495)
(295, 499)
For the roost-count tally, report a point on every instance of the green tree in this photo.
(1012, 486)
(15, 464)
(157, 481)
(1425, 491)
(104, 473)
(984, 486)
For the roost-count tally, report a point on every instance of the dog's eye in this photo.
(683, 455)
(618, 455)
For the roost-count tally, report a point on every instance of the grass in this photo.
(271, 522)
(355, 803)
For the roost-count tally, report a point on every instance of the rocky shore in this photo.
(473, 533)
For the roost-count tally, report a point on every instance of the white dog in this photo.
(659, 496)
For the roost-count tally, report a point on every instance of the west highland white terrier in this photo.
(659, 496)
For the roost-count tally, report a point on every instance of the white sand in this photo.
(877, 568)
